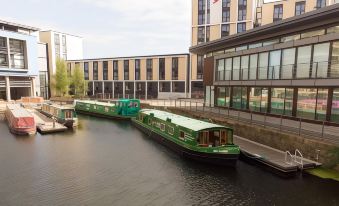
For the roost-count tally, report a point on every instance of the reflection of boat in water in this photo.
(20, 121)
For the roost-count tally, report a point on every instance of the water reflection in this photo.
(111, 163)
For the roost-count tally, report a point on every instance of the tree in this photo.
(60, 80)
(78, 82)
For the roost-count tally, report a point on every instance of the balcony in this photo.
(317, 70)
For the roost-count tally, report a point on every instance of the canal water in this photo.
(111, 163)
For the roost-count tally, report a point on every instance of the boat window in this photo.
(88, 105)
(214, 139)
(162, 127)
(182, 135)
(130, 105)
(223, 137)
(170, 130)
(106, 109)
(136, 105)
(95, 107)
(203, 139)
(149, 121)
(230, 137)
(68, 114)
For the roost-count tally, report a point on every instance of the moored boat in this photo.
(119, 109)
(65, 115)
(195, 139)
(20, 121)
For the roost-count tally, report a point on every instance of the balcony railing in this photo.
(316, 70)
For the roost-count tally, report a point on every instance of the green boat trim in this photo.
(190, 135)
(64, 114)
(119, 109)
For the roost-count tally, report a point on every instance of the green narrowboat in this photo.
(191, 138)
(119, 109)
(65, 115)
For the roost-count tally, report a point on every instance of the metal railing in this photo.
(316, 70)
(298, 126)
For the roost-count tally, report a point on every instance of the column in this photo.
(134, 90)
(93, 88)
(123, 89)
(112, 90)
(103, 89)
(33, 87)
(146, 88)
(8, 89)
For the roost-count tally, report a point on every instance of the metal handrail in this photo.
(288, 154)
(298, 156)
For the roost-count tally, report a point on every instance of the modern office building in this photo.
(19, 69)
(61, 45)
(144, 77)
(215, 19)
(289, 67)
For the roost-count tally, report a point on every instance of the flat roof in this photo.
(18, 111)
(95, 102)
(129, 57)
(190, 123)
(19, 25)
(305, 22)
(60, 106)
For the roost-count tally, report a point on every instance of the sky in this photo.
(110, 28)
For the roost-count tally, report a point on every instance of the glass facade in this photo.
(86, 71)
(312, 103)
(17, 53)
(137, 69)
(335, 106)
(282, 101)
(149, 68)
(162, 69)
(115, 70)
(105, 70)
(126, 69)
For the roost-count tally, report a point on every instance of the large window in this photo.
(175, 68)
(263, 64)
(200, 67)
(334, 72)
(201, 35)
(105, 70)
(3, 52)
(258, 99)
(253, 66)
(244, 67)
(86, 71)
(162, 71)
(303, 62)
(282, 101)
(321, 53)
(225, 30)
(201, 12)
(57, 45)
(239, 97)
(274, 65)
(312, 103)
(115, 70)
(320, 4)
(220, 70)
(288, 61)
(236, 68)
(241, 27)
(17, 53)
(95, 70)
(226, 4)
(299, 8)
(335, 106)
(126, 69)
(242, 4)
(137, 69)
(278, 13)
(149, 67)
(223, 96)
(228, 69)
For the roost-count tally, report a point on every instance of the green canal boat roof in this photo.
(189, 123)
(105, 103)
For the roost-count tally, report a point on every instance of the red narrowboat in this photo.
(20, 121)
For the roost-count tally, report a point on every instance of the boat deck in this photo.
(45, 124)
(271, 158)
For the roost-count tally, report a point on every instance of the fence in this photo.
(282, 123)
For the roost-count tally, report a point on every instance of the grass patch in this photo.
(325, 173)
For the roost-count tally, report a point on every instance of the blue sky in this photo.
(110, 27)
